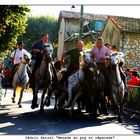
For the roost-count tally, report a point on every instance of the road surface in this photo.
(25, 121)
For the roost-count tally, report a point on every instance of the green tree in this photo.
(37, 26)
(89, 45)
(12, 25)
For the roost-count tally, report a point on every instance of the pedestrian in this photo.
(134, 81)
(128, 74)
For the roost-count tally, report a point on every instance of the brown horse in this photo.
(43, 77)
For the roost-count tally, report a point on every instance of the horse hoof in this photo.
(66, 106)
(20, 106)
(120, 120)
(13, 100)
(55, 108)
(47, 103)
(34, 106)
(41, 111)
(106, 113)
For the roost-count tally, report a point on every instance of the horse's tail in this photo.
(54, 72)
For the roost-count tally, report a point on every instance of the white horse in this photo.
(74, 80)
(118, 87)
(21, 78)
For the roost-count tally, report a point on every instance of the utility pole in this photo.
(81, 22)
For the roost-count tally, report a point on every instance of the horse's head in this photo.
(26, 58)
(91, 70)
(87, 57)
(114, 59)
(121, 57)
(47, 53)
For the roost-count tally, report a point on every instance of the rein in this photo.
(21, 79)
(42, 78)
(79, 78)
(117, 84)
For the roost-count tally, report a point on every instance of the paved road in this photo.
(25, 121)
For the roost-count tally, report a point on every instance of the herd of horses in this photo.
(85, 87)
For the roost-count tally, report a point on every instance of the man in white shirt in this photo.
(16, 56)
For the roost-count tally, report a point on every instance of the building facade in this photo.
(68, 33)
(124, 32)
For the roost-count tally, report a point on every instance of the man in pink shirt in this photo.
(101, 54)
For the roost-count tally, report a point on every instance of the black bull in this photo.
(94, 86)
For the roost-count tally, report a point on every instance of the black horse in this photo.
(88, 84)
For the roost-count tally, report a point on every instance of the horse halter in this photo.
(47, 53)
(114, 60)
(26, 58)
(93, 68)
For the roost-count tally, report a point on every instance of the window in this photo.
(99, 25)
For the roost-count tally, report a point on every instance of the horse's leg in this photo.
(68, 104)
(35, 98)
(61, 100)
(103, 104)
(74, 101)
(79, 105)
(14, 93)
(55, 105)
(120, 115)
(47, 100)
(42, 100)
(20, 98)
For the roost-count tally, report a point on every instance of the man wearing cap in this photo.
(37, 53)
(16, 56)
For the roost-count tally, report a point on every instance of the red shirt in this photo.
(134, 81)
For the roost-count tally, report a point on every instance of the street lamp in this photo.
(81, 22)
(73, 8)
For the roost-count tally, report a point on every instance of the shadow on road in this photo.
(51, 122)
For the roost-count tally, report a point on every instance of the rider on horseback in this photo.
(101, 54)
(37, 53)
(16, 56)
(75, 61)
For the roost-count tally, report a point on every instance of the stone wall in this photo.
(131, 48)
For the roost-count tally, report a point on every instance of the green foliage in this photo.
(12, 25)
(37, 26)
(89, 45)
